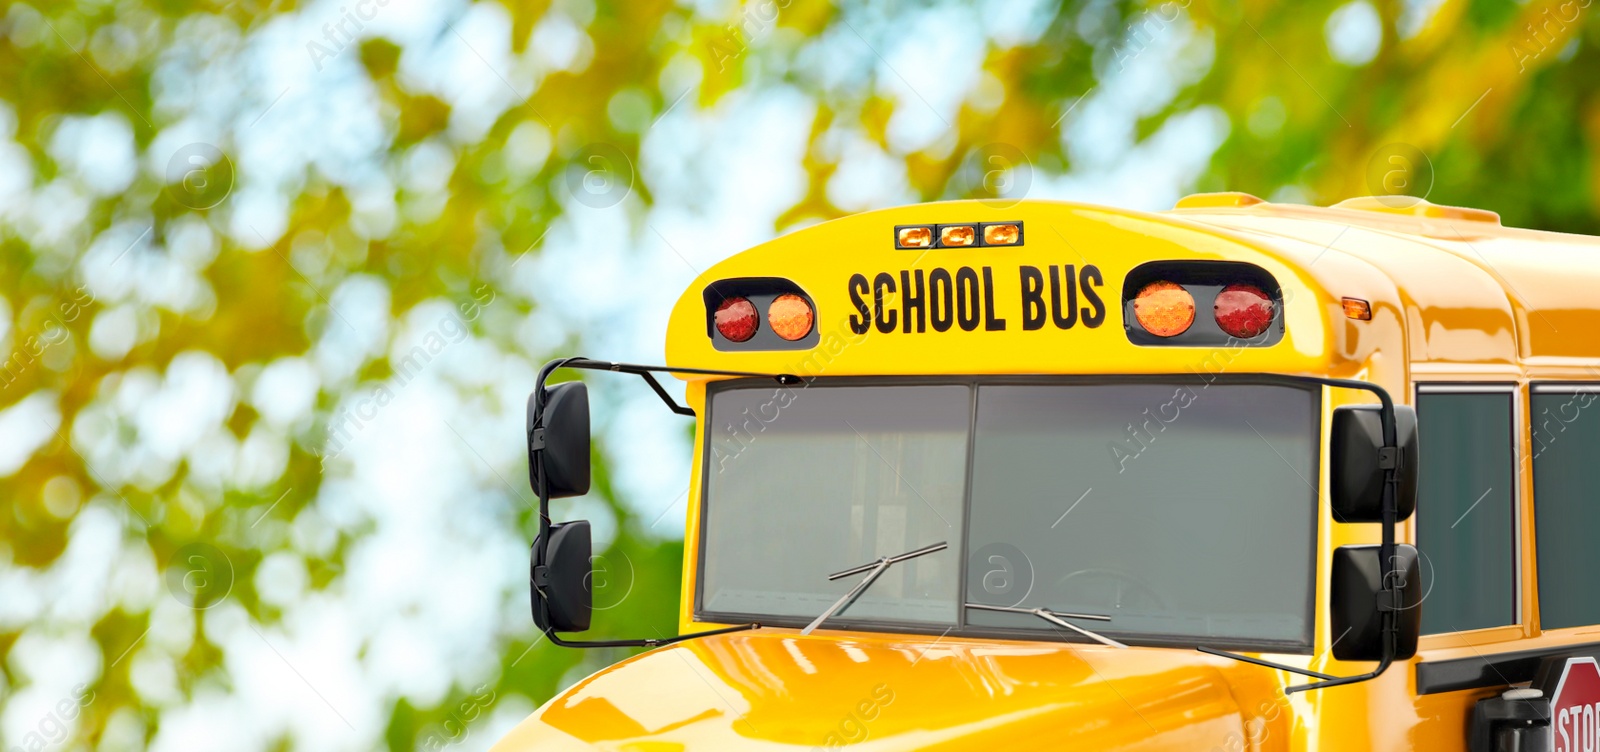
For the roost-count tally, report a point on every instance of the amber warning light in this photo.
(1164, 309)
(790, 316)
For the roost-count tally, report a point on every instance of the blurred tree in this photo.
(232, 232)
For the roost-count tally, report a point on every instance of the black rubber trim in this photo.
(1494, 670)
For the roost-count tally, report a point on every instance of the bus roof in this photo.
(1451, 290)
(1530, 296)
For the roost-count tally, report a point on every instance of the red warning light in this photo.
(737, 319)
(1243, 311)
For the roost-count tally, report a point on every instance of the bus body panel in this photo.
(887, 692)
(1454, 297)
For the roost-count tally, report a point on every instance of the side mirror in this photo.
(1355, 478)
(563, 601)
(561, 570)
(1357, 583)
(558, 440)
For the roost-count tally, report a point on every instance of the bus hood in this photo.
(779, 690)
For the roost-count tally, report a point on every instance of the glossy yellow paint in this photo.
(780, 690)
(1454, 297)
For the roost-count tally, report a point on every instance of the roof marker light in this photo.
(956, 236)
(913, 236)
(1002, 234)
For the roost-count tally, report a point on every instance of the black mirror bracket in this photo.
(648, 642)
(1389, 598)
(540, 574)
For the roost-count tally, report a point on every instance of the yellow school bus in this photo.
(1016, 475)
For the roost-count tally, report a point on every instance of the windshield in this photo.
(1183, 512)
(835, 477)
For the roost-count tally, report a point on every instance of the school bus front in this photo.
(1003, 492)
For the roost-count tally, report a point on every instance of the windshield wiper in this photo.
(873, 571)
(1056, 617)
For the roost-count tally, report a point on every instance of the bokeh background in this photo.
(275, 279)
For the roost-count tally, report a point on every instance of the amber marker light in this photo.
(1005, 234)
(790, 316)
(956, 236)
(1356, 308)
(915, 236)
(1164, 309)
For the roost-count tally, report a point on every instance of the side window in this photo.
(1466, 523)
(1566, 503)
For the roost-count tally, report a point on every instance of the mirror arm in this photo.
(1389, 460)
(661, 392)
(648, 374)
(1383, 666)
(1268, 664)
(644, 643)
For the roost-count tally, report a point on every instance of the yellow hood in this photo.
(774, 690)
